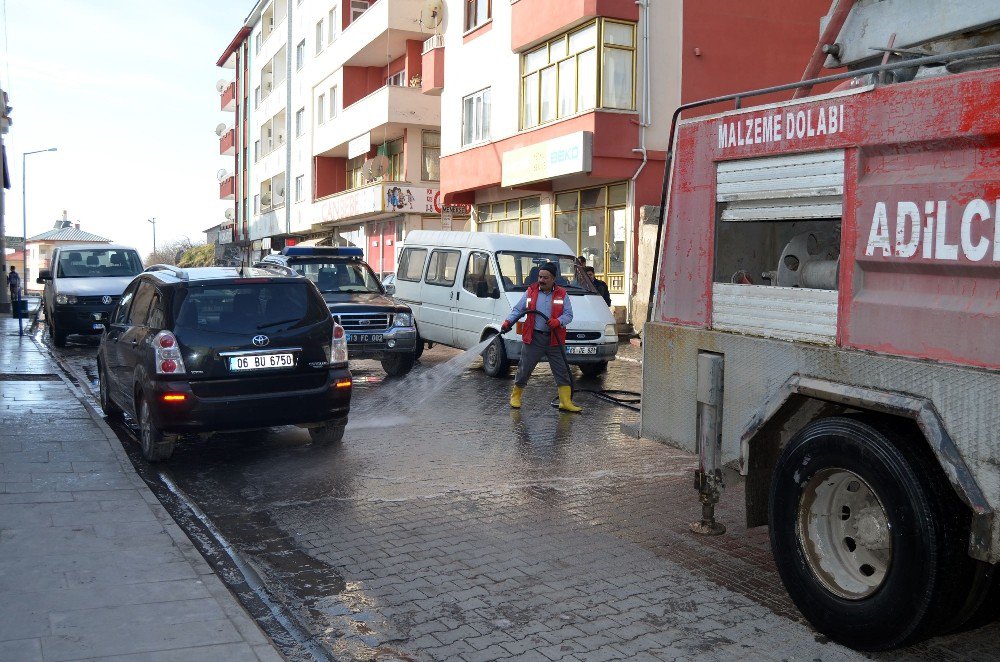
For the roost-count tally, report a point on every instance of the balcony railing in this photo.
(437, 41)
(227, 143)
(227, 188)
(229, 97)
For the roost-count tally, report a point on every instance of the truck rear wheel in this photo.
(869, 540)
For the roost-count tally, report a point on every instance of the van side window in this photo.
(140, 307)
(411, 264)
(442, 268)
(479, 275)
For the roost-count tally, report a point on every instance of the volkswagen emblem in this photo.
(105, 299)
(260, 341)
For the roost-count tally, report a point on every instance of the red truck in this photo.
(826, 322)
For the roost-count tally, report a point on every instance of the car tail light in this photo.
(167, 354)
(174, 397)
(338, 353)
(343, 383)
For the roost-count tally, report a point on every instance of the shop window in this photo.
(561, 77)
(594, 223)
(430, 163)
(511, 217)
(476, 117)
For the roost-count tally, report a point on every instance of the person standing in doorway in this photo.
(600, 285)
(543, 338)
(14, 284)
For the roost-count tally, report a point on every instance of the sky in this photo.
(125, 90)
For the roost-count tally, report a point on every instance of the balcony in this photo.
(229, 97)
(384, 112)
(380, 34)
(227, 188)
(227, 143)
(432, 67)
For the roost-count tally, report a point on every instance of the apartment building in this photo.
(334, 140)
(555, 115)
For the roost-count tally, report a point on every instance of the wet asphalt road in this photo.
(468, 531)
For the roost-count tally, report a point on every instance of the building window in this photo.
(430, 161)
(333, 102)
(574, 73)
(477, 12)
(398, 79)
(256, 150)
(257, 41)
(300, 55)
(300, 115)
(594, 223)
(332, 24)
(359, 7)
(394, 152)
(256, 96)
(319, 37)
(511, 217)
(476, 117)
(299, 186)
(256, 204)
(355, 176)
(320, 104)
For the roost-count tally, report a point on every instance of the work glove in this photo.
(554, 323)
(505, 327)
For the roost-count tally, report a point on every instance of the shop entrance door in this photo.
(382, 247)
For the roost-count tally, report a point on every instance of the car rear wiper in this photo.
(264, 326)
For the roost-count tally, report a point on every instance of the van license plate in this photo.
(586, 349)
(364, 337)
(261, 361)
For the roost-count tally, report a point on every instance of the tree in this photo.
(169, 253)
(198, 256)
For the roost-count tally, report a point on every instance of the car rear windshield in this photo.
(519, 270)
(98, 263)
(249, 307)
(341, 277)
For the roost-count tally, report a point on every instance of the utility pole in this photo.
(153, 221)
(5, 122)
(24, 210)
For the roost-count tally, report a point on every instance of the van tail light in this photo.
(167, 354)
(338, 349)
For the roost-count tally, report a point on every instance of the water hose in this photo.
(626, 399)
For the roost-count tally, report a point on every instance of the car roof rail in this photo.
(274, 266)
(176, 271)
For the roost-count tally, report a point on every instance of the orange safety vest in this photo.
(558, 302)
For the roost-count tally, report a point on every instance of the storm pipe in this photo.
(644, 121)
(837, 20)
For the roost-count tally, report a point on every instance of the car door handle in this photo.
(457, 295)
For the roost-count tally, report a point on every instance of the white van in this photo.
(462, 285)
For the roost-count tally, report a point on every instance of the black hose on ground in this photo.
(628, 399)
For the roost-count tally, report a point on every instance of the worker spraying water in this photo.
(548, 311)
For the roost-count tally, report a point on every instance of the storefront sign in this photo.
(558, 157)
(380, 199)
(360, 145)
(359, 202)
(411, 199)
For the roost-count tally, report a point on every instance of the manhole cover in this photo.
(40, 377)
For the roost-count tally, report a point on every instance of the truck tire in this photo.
(397, 365)
(495, 362)
(328, 433)
(156, 445)
(593, 369)
(869, 540)
(112, 411)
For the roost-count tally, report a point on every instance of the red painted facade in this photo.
(227, 188)
(920, 251)
(227, 143)
(228, 99)
(535, 20)
(359, 82)
(432, 66)
(329, 176)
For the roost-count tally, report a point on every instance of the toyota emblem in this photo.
(260, 341)
(105, 299)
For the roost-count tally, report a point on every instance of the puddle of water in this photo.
(409, 395)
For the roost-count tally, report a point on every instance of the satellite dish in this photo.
(222, 175)
(221, 85)
(265, 199)
(366, 170)
(230, 214)
(432, 14)
(379, 166)
(222, 129)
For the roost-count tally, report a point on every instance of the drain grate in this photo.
(22, 377)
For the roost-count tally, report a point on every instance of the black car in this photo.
(377, 326)
(221, 349)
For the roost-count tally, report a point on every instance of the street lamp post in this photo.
(24, 212)
(153, 221)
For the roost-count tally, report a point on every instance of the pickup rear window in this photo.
(249, 308)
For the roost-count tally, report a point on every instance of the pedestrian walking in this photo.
(14, 284)
(543, 338)
(599, 285)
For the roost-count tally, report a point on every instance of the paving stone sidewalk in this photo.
(91, 565)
